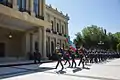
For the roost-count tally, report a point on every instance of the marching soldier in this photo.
(72, 54)
(59, 58)
(81, 56)
(66, 57)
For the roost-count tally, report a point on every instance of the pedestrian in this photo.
(37, 56)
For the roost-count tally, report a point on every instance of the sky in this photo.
(103, 13)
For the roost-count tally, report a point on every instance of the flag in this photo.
(69, 43)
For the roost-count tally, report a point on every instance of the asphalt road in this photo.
(109, 70)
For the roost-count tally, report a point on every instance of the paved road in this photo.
(109, 70)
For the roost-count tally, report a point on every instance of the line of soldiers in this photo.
(84, 55)
(68, 54)
(96, 56)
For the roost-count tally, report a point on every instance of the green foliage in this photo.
(118, 47)
(92, 35)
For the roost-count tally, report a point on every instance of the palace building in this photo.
(26, 25)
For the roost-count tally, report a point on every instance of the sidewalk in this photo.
(19, 63)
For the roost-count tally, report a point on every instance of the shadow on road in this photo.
(24, 71)
(88, 64)
(77, 69)
(87, 68)
(61, 72)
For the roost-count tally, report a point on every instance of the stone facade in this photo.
(30, 27)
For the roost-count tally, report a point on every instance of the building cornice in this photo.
(49, 7)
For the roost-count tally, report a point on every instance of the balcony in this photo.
(54, 32)
(6, 4)
(48, 30)
(24, 10)
(40, 17)
(60, 34)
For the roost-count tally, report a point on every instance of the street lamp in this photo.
(10, 36)
(101, 43)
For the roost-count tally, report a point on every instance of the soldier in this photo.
(72, 54)
(59, 58)
(66, 57)
(81, 56)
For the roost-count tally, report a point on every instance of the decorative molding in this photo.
(57, 12)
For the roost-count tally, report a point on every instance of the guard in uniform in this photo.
(81, 56)
(59, 58)
(66, 57)
(72, 54)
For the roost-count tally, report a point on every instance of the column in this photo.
(54, 25)
(50, 45)
(10, 1)
(60, 43)
(15, 6)
(31, 43)
(60, 27)
(66, 26)
(31, 6)
(40, 40)
(27, 5)
(44, 42)
(26, 44)
(56, 42)
(42, 8)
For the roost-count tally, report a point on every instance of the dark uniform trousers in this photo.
(81, 56)
(67, 60)
(59, 61)
(73, 60)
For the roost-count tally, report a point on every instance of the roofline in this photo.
(57, 12)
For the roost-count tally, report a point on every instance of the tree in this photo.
(118, 47)
(78, 41)
(93, 35)
(117, 35)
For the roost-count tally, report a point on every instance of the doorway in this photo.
(2, 49)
